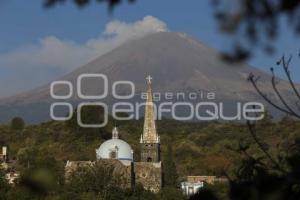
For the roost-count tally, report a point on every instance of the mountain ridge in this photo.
(176, 61)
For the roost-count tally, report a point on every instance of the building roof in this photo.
(115, 149)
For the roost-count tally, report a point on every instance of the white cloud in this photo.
(52, 52)
(32, 65)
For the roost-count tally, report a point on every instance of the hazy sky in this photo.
(39, 45)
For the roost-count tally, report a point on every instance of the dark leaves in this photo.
(239, 54)
(257, 21)
(81, 3)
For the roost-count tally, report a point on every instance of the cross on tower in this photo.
(149, 78)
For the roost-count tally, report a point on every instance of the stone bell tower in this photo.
(150, 141)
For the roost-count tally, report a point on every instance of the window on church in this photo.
(113, 155)
(149, 159)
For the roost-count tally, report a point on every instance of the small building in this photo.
(8, 166)
(3, 155)
(194, 183)
(207, 179)
(191, 188)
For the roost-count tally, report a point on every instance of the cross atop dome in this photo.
(115, 133)
(149, 79)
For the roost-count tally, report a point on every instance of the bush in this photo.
(17, 123)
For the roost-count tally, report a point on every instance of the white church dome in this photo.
(115, 149)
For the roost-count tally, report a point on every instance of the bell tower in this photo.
(150, 141)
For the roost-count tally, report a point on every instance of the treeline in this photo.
(221, 149)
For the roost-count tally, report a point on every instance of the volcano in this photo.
(177, 62)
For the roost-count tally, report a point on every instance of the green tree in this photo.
(41, 181)
(17, 123)
(26, 156)
(171, 193)
(137, 192)
(169, 168)
(20, 193)
(98, 180)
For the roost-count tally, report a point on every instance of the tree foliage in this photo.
(169, 167)
(17, 123)
(187, 149)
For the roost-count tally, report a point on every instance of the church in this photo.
(118, 153)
